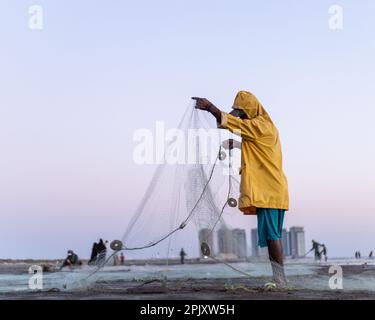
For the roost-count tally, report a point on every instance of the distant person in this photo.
(71, 260)
(116, 260)
(359, 254)
(315, 248)
(324, 252)
(122, 258)
(182, 256)
(370, 254)
(102, 252)
(94, 253)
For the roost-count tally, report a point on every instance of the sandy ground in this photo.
(203, 289)
(212, 289)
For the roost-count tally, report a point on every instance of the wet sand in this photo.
(204, 289)
(238, 289)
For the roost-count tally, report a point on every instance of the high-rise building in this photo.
(297, 242)
(254, 243)
(205, 235)
(239, 243)
(257, 251)
(286, 242)
(225, 241)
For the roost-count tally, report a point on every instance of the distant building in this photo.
(254, 242)
(257, 251)
(286, 242)
(225, 241)
(205, 235)
(297, 242)
(293, 243)
(239, 243)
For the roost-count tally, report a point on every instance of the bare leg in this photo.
(275, 251)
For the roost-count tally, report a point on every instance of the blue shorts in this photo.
(270, 225)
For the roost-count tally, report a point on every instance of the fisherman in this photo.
(264, 187)
(122, 258)
(116, 260)
(102, 252)
(71, 260)
(324, 252)
(182, 256)
(316, 248)
(94, 253)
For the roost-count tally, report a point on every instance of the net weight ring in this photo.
(222, 155)
(205, 249)
(232, 202)
(116, 245)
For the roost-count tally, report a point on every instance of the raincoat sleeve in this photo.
(252, 129)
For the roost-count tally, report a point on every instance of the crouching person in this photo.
(71, 260)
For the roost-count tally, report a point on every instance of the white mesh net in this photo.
(189, 212)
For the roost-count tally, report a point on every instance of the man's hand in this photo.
(202, 104)
(231, 144)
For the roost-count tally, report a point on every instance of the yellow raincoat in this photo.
(263, 183)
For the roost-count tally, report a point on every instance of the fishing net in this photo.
(191, 198)
(189, 213)
(189, 210)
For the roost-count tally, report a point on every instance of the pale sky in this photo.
(73, 93)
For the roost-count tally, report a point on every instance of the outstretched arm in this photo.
(204, 104)
(248, 129)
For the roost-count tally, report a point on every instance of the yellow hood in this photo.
(249, 103)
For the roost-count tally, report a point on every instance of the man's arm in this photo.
(248, 129)
(204, 104)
